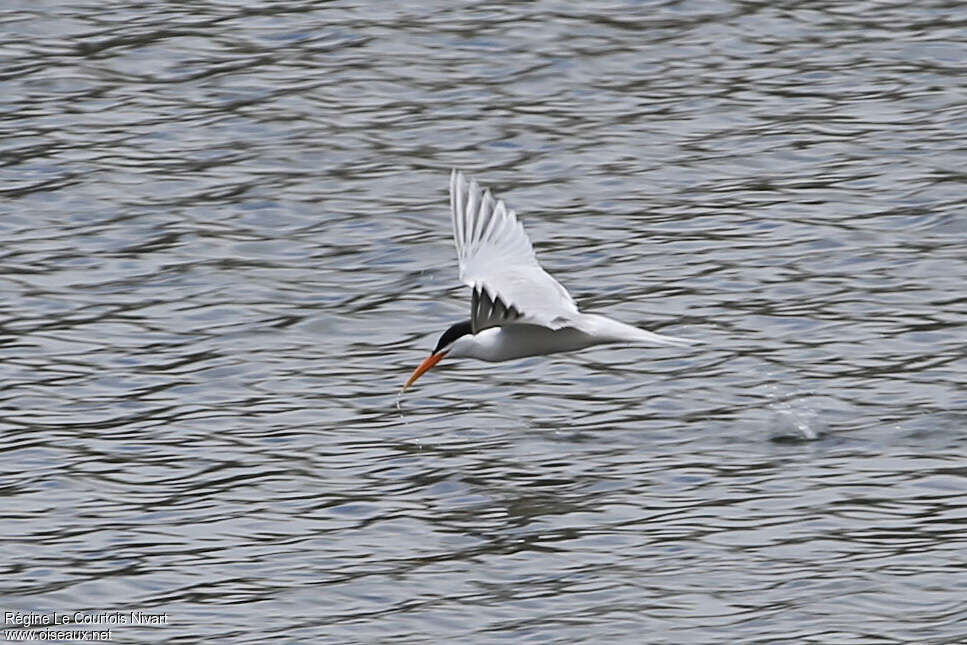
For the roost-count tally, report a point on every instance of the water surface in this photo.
(226, 245)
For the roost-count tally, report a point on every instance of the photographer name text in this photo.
(100, 618)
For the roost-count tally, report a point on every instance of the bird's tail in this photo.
(618, 332)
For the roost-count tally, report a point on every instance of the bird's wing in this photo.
(498, 263)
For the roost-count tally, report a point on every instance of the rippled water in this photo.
(226, 245)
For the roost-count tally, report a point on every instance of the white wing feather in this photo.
(497, 261)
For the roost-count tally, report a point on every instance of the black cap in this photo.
(456, 331)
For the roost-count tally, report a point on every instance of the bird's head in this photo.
(453, 342)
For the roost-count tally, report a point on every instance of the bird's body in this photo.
(497, 344)
(508, 342)
(516, 308)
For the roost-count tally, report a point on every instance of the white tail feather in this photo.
(610, 330)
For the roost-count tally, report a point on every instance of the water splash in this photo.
(793, 416)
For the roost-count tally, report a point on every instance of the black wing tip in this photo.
(488, 310)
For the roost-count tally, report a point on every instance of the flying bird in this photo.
(516, 308)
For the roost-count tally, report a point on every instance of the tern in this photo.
(516, 308)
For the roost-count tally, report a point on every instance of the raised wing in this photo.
(498, 263)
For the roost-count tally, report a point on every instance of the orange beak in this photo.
(430, 361)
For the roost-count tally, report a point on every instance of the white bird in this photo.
(516, 308)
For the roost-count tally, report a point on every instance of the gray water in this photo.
(226, 244)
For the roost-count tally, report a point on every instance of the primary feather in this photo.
(498, 263)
